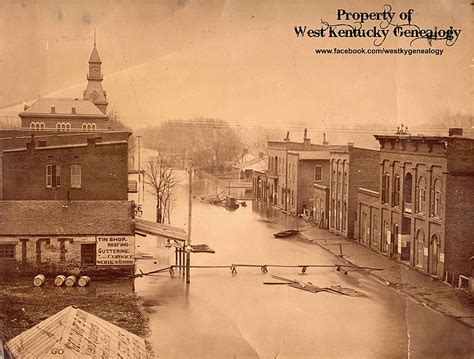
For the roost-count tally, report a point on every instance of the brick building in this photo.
(87, 168)
(367, 224)
(72, 114)
(351, 168)
(59, 236)
(293, 167)
(427, 202)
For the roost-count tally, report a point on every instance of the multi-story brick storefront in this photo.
(87, 170)
(427, 202)
(293, 167)
(351, 167)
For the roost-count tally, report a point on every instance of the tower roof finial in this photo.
(94, 36)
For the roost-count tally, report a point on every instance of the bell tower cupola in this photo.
(94, 91)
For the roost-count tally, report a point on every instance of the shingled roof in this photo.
(63, 106)
(65, 218)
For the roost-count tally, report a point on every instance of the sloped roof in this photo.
(74, 333)
(161, 230)
(63, 106)
(65, 217)
(256, 164)
(94, 56)
(311, 155)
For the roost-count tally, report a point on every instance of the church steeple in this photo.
(94, 91)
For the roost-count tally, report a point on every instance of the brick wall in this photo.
(74, 122)
(18, 139)
(306, 181)
(459, 245)
(50, 258)
(104, 172)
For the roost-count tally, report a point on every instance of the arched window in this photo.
(396, 191)
(93, 127)
(407, 186)
(385, 188)
(42, 126)
(84, 127)
(436, 199)
(32, 126)
(58, 126)
(420, 246)
(421, 195)
(68, 126)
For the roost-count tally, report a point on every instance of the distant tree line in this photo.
(212, 144)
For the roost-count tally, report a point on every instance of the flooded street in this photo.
(219, 315)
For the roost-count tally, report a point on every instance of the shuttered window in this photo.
(53, 176)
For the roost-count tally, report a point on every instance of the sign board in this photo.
(115, 250)
(425, 251)
(441, 257)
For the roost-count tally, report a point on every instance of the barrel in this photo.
(59, 280)
(83, 281)
(70, 281)
(39, 280)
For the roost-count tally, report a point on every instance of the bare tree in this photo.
(115, 124)
(161, 180)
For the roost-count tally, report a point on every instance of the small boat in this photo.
(287, 233)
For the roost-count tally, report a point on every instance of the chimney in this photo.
(53, 109)
(30, 146)
(91, 141)
(350, 144)
(325, 142)
(73, 110)
(287, 138)
(306, 140)
(456, 131)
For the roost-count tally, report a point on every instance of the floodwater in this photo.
(219, 315)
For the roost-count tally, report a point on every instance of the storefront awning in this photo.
(142, 226)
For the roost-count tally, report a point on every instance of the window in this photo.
(421, 195)
(436, 200)
(318, 173)
(396, 191)
(37, 126)
(7, 251)
(53, 176)
(89, 127)
(75, 176)
(385, 188)
(88, 254)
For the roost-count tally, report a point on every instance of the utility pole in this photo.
(139, 170)
(188, 244)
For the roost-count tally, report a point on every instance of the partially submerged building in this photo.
(426, 203)
(61, 236)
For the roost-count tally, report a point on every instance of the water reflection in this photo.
(220, 315)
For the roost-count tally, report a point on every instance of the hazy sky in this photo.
(235, 60)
